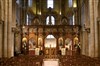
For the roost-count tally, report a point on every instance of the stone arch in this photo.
(36, 21)
(64, 21)
(52, 20)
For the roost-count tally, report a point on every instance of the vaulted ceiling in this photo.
(60, 7)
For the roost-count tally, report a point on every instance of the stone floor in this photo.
(66, 60)
(51, 62)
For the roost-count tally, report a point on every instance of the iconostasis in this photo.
(35, 40)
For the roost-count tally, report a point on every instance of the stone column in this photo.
(5, 2)
(76, 21)
(82, 43)
(1, 27)
(98, 37)
(22, 18)
(63, 7)
(1, 38)
(81, 36)
(44, 36)
(8, 15)
(11, 25)
(93, 42)
(78, 12)
(0, 32)
(50, 23)
(37, 38)
(63, 40)
(86, 43)
(86, 28)
(92, 29)
(96, 2)
(43, 44)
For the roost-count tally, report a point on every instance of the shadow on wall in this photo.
(99, 27)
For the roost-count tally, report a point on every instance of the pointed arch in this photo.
(50, 36)
(70, 2)
(36, 21)
(52, 20)
(50, 41)
(64, 21)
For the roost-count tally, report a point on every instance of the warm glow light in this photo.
(24, 39)
(50, 41)
(23, 27)
(27, 20)
(60, 13)
(50, 36)
(74, 5)
(50, 45)
(39, 13)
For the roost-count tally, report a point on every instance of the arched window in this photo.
(48, 19)
(29, 3)
(73, 19)
(27, 19)
(50, 3)
(70, 2)
(17, 1)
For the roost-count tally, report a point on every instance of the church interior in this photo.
(49, 32)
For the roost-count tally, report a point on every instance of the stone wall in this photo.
(9, 21)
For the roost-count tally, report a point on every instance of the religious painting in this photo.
(32, 38)
(24, 40)
(68, 44)
(76, 41)
(32, 44)
(60, 41)
(40, 41)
